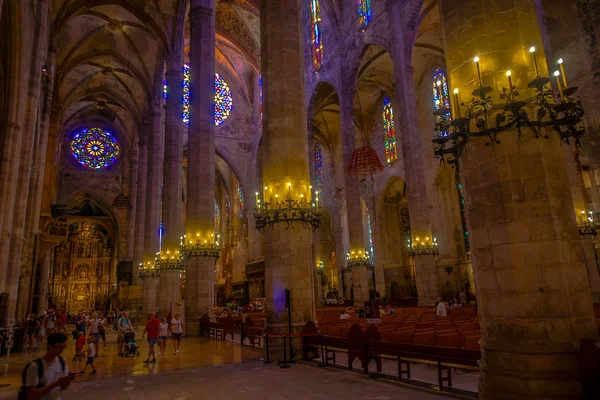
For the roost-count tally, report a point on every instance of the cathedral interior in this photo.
(193, 155)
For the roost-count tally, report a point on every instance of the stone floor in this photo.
(207, 369)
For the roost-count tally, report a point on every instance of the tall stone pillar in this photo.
(356, 232)
(46, 252)
(428, 285)
(173, 185)
(199, 277)
(288, 260)
(140, 206)
(152, 207)
(532, 289)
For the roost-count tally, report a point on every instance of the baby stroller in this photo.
(130, 347)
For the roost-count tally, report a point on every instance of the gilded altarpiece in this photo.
(83, 268)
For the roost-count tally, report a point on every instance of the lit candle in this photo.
(438, 88)
(532, 51)
(476, 59)
(289, 189)
(457, 102)
(309, 193)
(265, 194)
(317, 196)
(557, 75)
(510, 85)
(562, 71)
(257, 201)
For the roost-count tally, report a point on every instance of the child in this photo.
(91, 353)
(79, 347)
(163, 332)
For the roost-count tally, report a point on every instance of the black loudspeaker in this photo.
(125, 272)
(3, 309)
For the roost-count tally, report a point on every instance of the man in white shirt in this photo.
(54, 372)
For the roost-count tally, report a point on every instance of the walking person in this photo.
(31, 330)
(46, 377)
(177, 330)
(94, 325)
(152, 326)
(91, 354)
(123, 324)
(163, 334)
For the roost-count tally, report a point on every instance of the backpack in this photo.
(40, 365)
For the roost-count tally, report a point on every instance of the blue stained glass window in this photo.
(441, 96)
(223, 98)
(217, 219)
(319, 165)
(94, 148)
(370, 232)
(260, 95)
(240, 202)
(391, 152)
(316, 35)
(365, 12)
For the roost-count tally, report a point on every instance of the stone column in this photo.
(140, 206)
(173, 182)
(533, 293)
(356, 231)
(591, 264)
(288, 261)
(152, 206)
(46, 252)
(428, 285)
(199, 277)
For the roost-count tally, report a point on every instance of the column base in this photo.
(530, 374)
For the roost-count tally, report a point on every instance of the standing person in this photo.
(151, 328)
(41, 329)
(115, 323)
(94, 325)
(177, 330)
(123, 324)
(80, 324)
(46, 377)
(50, 323)
(63, 321)
(31, 330)
(102, 328)
(463, 297)
(79, 347)
(91, 353)
(163, 333)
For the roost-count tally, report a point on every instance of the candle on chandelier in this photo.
(317, 196)
(457, 102)
(510, 85)
(476, 60)
(557, 75)
(257, 201)
(562, 71)
(532, 51)
(265, 194)
(309, 193)
(289, 185)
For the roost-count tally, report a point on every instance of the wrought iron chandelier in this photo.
(358, 259)
(200, 248)
(167, 261)
(147, 271)
(563, 114)
(299, 209)
(425, 247)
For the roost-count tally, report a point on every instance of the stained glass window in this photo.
(316, 34)
(94, 148)
(260, 94)
(391, 153)
(223, 98)
(319, 165)
(370, 232)
(364, 12)
(227, 207)
(217, 219)
(441, 96)
(240, 202)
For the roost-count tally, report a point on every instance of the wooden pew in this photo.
(251, 332)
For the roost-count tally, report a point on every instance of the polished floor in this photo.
(206, 369)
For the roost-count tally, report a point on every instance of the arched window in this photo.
(391, 153)
(319, 176)
(260, 96)
(316, 34)
(217, 219)
(364, 12)
(370, 233)
(240, 202)
(95, 148)
(223, 98)
(441, 96)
